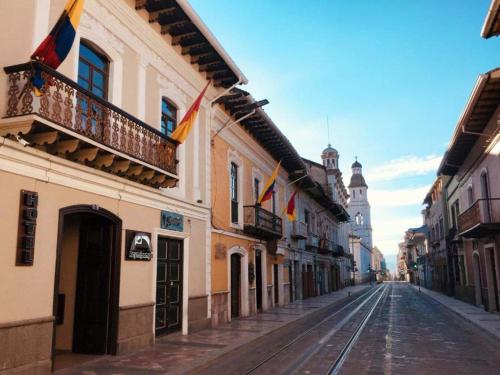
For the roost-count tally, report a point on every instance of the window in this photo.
(93, 68)
(454, 214)
(234, 193)
(256, 186)
(168, 117)
(470, 195)
(307, 219)
(358, 219)
(354, 194)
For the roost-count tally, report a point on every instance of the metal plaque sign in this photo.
(138, 245)
(172, 221)
(28, 213)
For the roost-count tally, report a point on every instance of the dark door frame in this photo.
(114, 275)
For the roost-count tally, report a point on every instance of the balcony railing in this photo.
(480, 219)
(70, 121)
(325, 246)
(338, 251)
(262, 223)
(312, 241)
(299, 230)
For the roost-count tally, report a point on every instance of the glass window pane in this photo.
(98, 92)
(92, 57)
(83, 83)
(98, 79)
(83, 70)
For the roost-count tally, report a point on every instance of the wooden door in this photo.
(258, 278)
(235, 284)
(276, 285)
(168, 286)
(90, 333)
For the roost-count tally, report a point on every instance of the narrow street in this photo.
(389, 329)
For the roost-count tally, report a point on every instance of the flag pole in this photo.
(297, 180)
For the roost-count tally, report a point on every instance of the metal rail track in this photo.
(337, 364)
(371, 293)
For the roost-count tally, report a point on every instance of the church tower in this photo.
(330, 158)
(359, 207)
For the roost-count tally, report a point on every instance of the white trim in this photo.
(33, 163)
(263, 271)
(234, 157)
(40, 22)
(142, 67)
(94, 32)
(244, 308)
(169, 91)
(236, 235)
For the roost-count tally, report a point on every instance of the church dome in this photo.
(329, 149)
(356, 164)
(357, 180)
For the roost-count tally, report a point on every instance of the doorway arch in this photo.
(240, 275)
(87, 281)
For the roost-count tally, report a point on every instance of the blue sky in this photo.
(393, 76)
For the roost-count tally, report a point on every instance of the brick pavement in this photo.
(412, 333)
(488, 322)
(176, 354)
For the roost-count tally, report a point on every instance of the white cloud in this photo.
(397, 198)
(408, 165)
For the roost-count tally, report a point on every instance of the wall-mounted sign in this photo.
(28, 212)
(138, 245)
(172, 221)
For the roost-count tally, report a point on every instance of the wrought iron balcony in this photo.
(325, 246)
(338, 251)
(312, 241)
(480, 219)
(73, 123)
(262, 223)
(299, 230)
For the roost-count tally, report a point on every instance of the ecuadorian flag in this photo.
(291, 211)
(267, 193)
(56, 46)
(181, 133)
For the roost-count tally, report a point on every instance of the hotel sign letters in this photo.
(28, 213)
(172, 221)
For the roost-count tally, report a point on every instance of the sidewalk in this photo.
(176, 354)
(488, 322)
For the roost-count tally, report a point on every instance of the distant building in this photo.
(359, 211)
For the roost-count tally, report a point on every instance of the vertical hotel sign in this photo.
(28, 213)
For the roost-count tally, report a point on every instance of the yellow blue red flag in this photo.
(267, 193)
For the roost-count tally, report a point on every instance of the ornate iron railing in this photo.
(299, 230)
(261, 221)
(66, 103)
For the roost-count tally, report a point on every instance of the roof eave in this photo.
(493, 16)
(190, 12)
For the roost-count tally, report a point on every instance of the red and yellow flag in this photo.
(291, 210)
(267, 193)
(181, 133)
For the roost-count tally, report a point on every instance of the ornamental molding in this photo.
(95, 28)
(141, 47)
